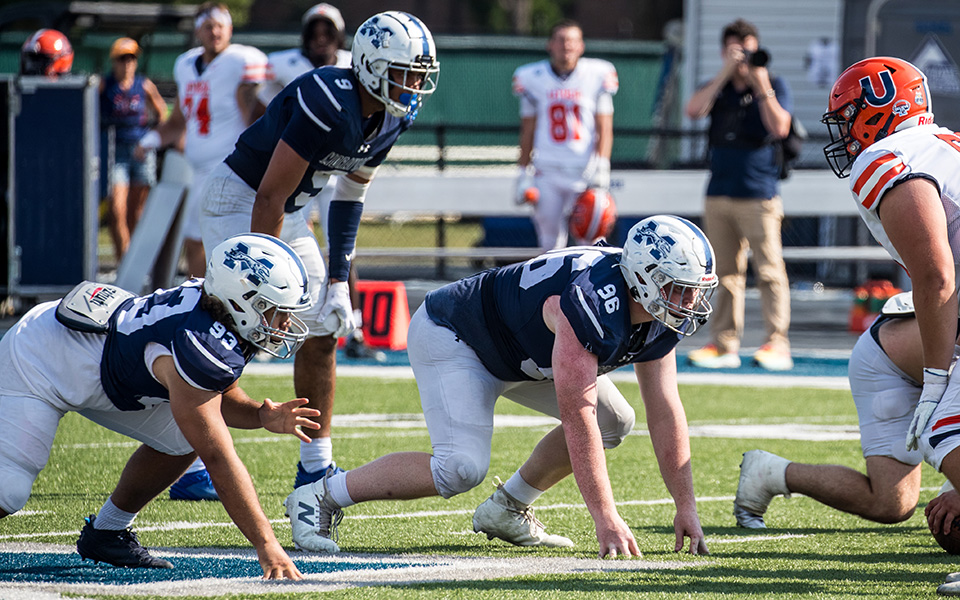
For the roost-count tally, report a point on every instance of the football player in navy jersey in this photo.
(329, 120)
(544, 333)
(163, 370)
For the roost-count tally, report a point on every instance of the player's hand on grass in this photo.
(276, 563)
(288, 417)
(616, 539)
(687, 525)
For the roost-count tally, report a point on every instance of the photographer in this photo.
(749, 111)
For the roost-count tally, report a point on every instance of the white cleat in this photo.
(313, 519)
(502, 516)
(762, 476)
(952, 576)
(949, 589)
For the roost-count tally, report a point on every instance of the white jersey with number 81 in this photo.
(565, 108)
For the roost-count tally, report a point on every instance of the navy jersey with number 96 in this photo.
(499, 313)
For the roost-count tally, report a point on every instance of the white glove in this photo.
(524, 183)
(934, 385)
(150, 140)
(336, 314)
(598, 172)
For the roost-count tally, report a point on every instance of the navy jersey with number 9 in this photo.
(499, 313)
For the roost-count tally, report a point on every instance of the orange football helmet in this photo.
(870, 100)
(593, 217)
(46, 52)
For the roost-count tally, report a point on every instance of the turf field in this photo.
(426, 548)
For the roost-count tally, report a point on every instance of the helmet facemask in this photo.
(414, 80)
(668, 266)
(280, 332)
(842, 149)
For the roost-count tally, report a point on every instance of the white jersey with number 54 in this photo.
(565, 108)
(208, 99)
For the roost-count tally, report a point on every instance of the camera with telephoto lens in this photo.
(758, 58)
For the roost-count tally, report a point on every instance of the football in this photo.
(593, 217)
(951, 541)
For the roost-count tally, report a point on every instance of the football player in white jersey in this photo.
(217, 86)
(566, 130)
(905, 178)
(322, 41)
(216, 100)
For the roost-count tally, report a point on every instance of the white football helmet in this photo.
(252, 274)
(669, 268)
(399, 42)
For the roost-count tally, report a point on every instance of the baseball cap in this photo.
(124, 46)
(324, 11)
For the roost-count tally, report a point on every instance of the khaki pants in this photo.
(735, 226)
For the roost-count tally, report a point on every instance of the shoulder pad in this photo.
(898, 305)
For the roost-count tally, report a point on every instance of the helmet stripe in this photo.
(707, 248)
(415, 22)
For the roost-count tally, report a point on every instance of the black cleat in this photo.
(357, 348)
(117, 547)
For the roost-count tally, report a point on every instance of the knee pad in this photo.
(15, 489)
(456, 473)
(615, 432)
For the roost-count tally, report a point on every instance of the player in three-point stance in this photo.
(544, 333)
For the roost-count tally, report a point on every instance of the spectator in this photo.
(749, 110)
(566, 130)
(128, 101)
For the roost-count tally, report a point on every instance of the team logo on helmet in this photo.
(888, 91)
(660, 244)
(378, 35)
(257, 271)
(901, 108)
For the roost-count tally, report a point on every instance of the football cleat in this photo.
(747, 519)
(949, 589)
(357, 348)
(194, 486)
(314, 519)
(117, 547)
(762, 476)
(502, 516)
(304, 476)
(951, 577)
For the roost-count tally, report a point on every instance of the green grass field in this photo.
(809, 551)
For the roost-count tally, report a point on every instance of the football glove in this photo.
(524, 183)
(336, 314)
(598, 172)
(934, 385)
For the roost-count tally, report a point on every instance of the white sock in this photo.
(197, 465)
(521, 491)
(111, 517)
(316, 455)
(337, 490)
(358, 317)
